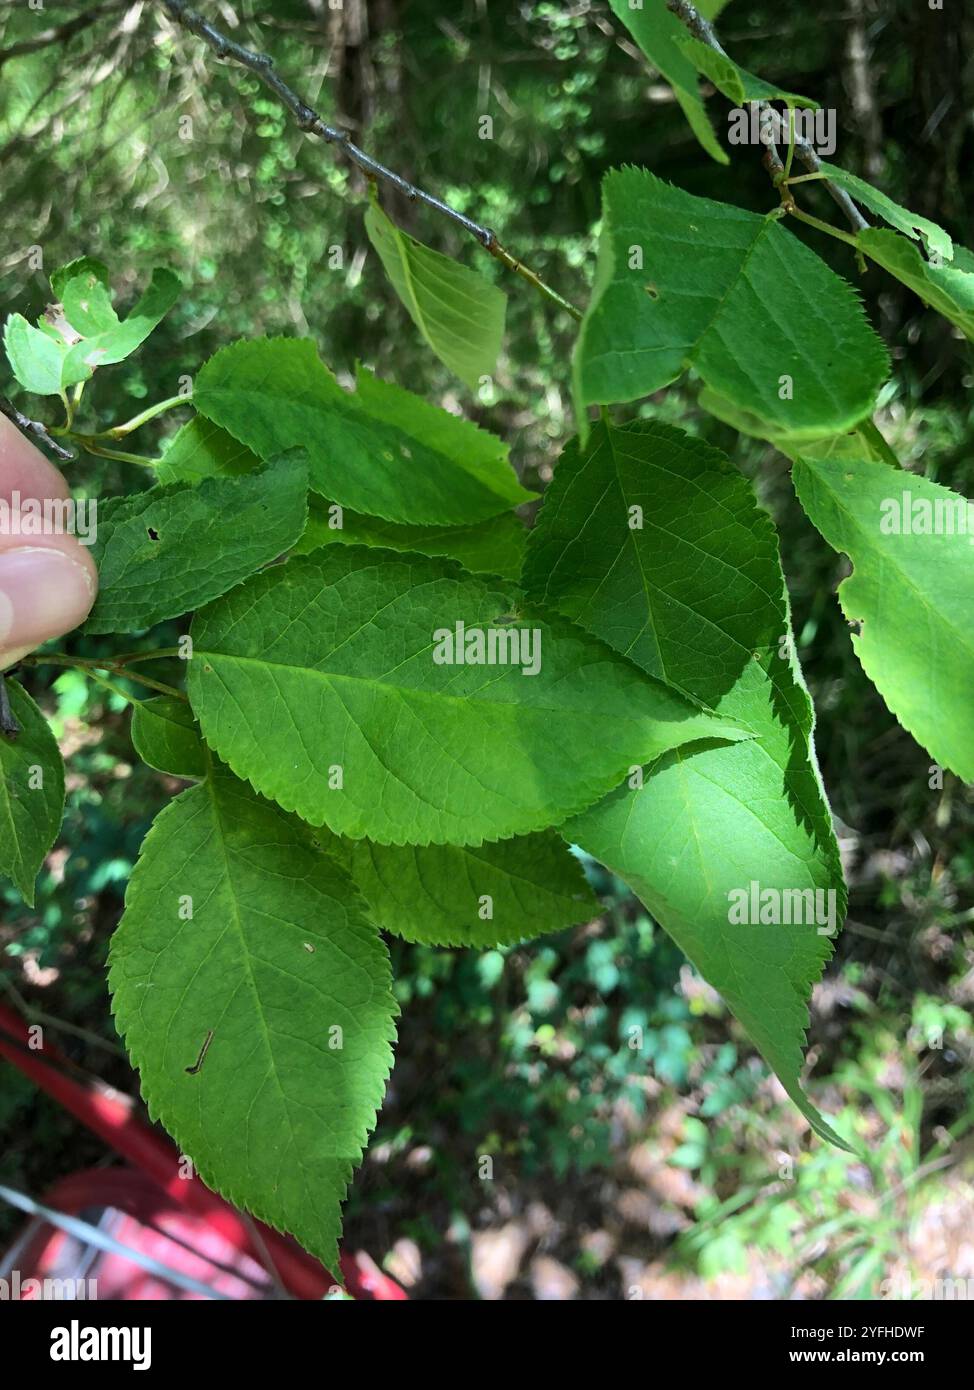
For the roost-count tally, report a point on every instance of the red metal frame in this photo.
(114, 1118)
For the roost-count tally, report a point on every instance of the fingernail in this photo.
(43, 593)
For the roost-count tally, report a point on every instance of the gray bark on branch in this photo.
(703, 30)
(308, 119)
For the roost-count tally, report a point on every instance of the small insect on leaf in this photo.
(191, 1071)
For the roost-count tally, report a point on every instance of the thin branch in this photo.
(91, 446)
(34, 1015)
(61, 33)
(34, 427)
(308, 120)
(90, 665)
(703, 30)
(9, 724)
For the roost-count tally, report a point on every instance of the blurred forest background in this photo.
(681, 1171)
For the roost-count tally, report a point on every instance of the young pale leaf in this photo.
(86, 299)
(660, 34)
(935, 239)
(947, 288)
(737, 84)
(458, 312)
(686, 282)
(36, 359)
(254, 996)
(48, 359)
(82, 266)
(31, 793)
(654, 541)
(495, 546)
(119, 340)
(493, 895)
(165, 736)
(169, 550)
(201, 450)
(912, 592)
(332, 685)
(381, 451)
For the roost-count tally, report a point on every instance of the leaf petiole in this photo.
(120, 431)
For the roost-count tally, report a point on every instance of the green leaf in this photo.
(201, 450)
(644, 539)
(495, 546)
(165, 736)
(947, 288)
(278, 953)
(761, 318)
(87, 301)
(934, 238)
(323, 683)
(381, 451)
(167, 551)
(82, 266)
(35, 358)
(458, 312)
(912, 592)
(736, 83)
(851, 444)
(46, 360)
(31, 793)
(660, 34)
(119, 341)
(697, 595)
(438, 895)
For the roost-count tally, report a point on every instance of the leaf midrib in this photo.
(237, 923)
(406, 690)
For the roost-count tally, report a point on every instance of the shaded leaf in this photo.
(439, 894)
(736, 83)
(31, 793)
(381, 451)
(660, 34)
(696, 594)
(201, 450)
(851, 444)
(167, 551)
(164, 734)
(495, 546)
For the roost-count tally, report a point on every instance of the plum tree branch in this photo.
(703, 30)
(34, 427)
(308, 120)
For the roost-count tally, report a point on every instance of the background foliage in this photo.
(126, 145)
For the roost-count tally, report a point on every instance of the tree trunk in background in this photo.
(940, 92)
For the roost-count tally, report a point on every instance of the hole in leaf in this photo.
(153, 533)
(652, 291)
